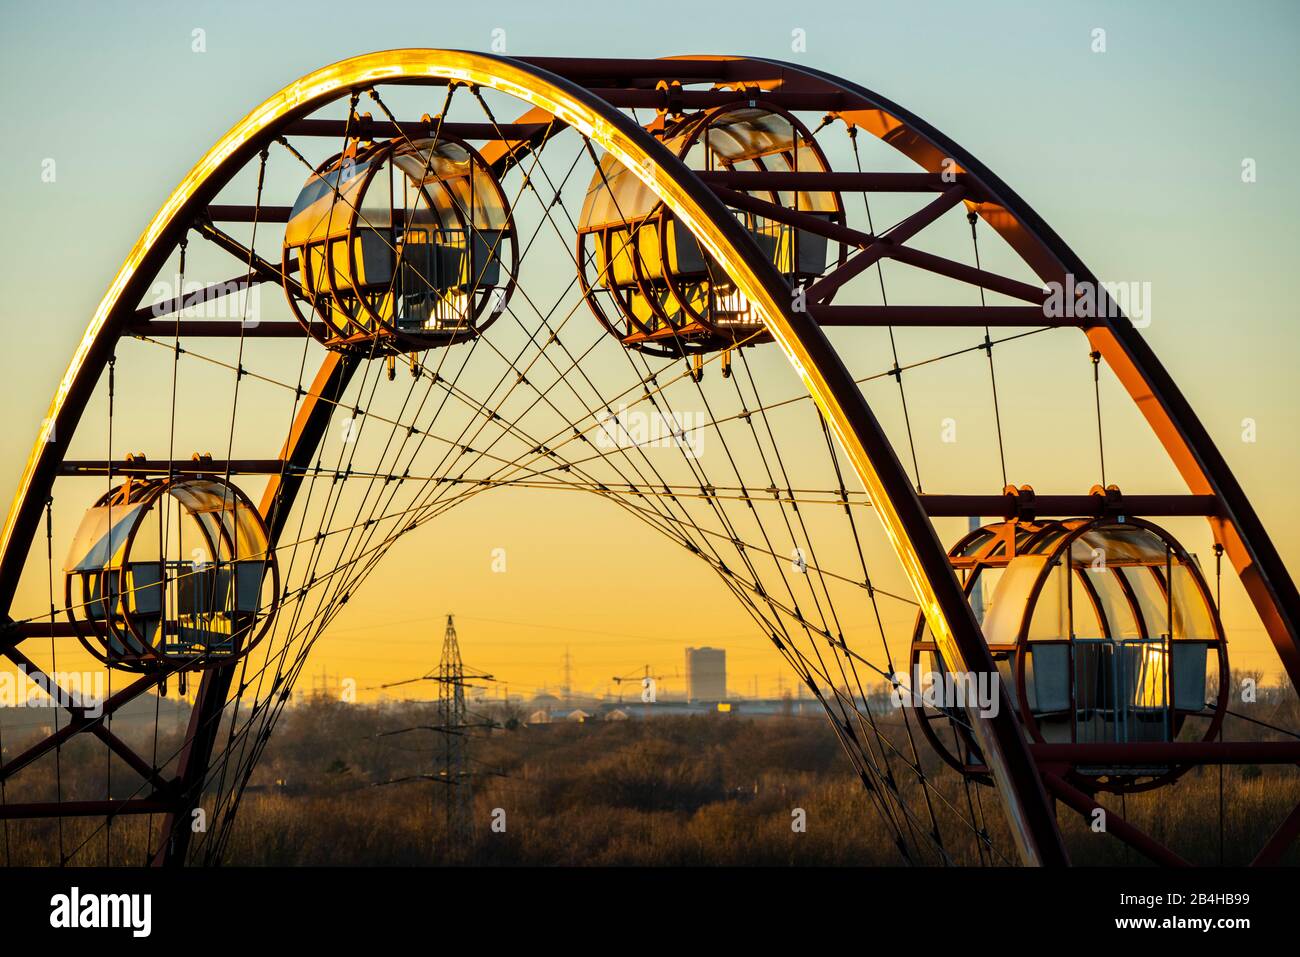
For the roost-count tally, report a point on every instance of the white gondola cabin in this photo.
(643, 273)
(171, 574)
(401, 246)
(1103, 631)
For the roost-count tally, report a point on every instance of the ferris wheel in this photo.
(721, 295)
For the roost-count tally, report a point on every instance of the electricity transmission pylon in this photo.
(452, 765)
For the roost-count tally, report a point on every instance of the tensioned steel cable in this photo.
(1095, 356)
(874, 729)
(897, 371)
(973, 218)
(239, 371)
(889, 779)
(54, 667)
(183, 247)
(615, 200)
(315, 287)
(234, 401)
(731, 459)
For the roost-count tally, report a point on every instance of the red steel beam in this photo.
(199, 297)
(216, 329)
(824, 289)
(132, 759)
(413, 129)
(175, 466)
(822, 102)
(1169, 752)
(1271, 854)
(969, 274)
(961, 316)
(82, 808)
(1006, 506)
(23, 630)
(76, 725)
(650, 71)
(790, 217)
(255, 264)
(98, 727)
(237, 213)
(844, 182)
(226, 213)
(1115, 824)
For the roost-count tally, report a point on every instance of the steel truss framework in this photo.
(596, 100)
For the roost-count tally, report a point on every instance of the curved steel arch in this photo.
(552, 89)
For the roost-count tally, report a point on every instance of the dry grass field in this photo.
(334, 788)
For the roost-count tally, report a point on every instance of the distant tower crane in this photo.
(644, 678)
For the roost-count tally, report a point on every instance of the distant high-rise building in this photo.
(706, 674)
